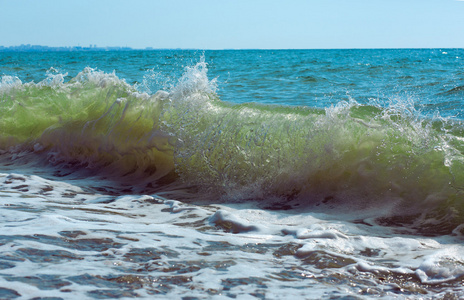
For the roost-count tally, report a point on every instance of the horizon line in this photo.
(39, 48)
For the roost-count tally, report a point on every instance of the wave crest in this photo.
(384, 161)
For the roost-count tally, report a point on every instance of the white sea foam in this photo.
(87, 241)
(8, 83)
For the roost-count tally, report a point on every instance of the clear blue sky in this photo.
(219, 24)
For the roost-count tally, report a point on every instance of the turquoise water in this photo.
(332, 172)
(315, 78)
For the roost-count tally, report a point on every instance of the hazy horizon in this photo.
(114, 47)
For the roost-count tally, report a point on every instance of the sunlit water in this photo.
(232, 174)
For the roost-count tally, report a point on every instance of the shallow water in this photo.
(344, 178)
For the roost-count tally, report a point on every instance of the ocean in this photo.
(243, 174)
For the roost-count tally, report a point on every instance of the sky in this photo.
(234, 24)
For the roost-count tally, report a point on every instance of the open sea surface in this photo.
(246, 174)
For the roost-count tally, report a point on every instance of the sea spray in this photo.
(387, 162)
(350, 155)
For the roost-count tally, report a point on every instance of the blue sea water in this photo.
(232, 174)
(316, 78)
(431, 77)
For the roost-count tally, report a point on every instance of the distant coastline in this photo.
(95, 48)
(40, 48)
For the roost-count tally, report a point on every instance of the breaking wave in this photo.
(383, 161)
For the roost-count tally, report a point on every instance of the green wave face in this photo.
(389, 160)
(95, 121)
